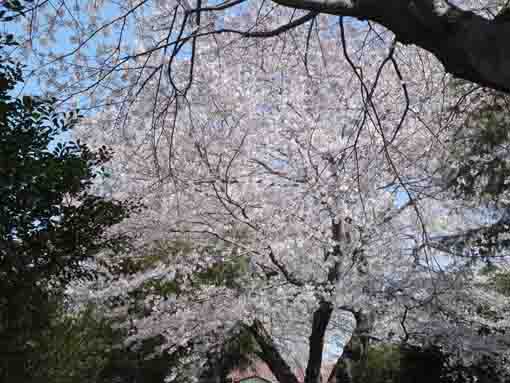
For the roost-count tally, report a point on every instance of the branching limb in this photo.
(288, 276)
(270, 354)
(469, 46)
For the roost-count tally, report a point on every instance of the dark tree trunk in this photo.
(320, 322)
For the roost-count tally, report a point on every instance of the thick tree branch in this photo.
(486, 241)
(288, 276)
(469, 46)
(270, 354)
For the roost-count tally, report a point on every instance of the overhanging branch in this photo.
(469, 46)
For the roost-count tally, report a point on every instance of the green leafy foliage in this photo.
(499, 279)
(382, 365)
(74, 348)
(480, 150)
(160, 251)
(224, 273)
(422, 364)
(50, 222)
(237, 352)
(86, 347)
(139, 363)
(227, 269)
(414, 364)
(479, 174)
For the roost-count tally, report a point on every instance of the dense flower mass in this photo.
(307, 177)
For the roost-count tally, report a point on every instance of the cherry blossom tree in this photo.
(314, 148)
(89, 47)
(326, 176)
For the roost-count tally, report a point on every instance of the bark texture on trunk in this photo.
(469, 46)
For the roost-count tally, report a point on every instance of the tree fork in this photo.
(270, 354)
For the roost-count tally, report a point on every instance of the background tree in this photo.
(51, 223)
(335, 188)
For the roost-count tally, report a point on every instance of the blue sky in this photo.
(64, 44)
